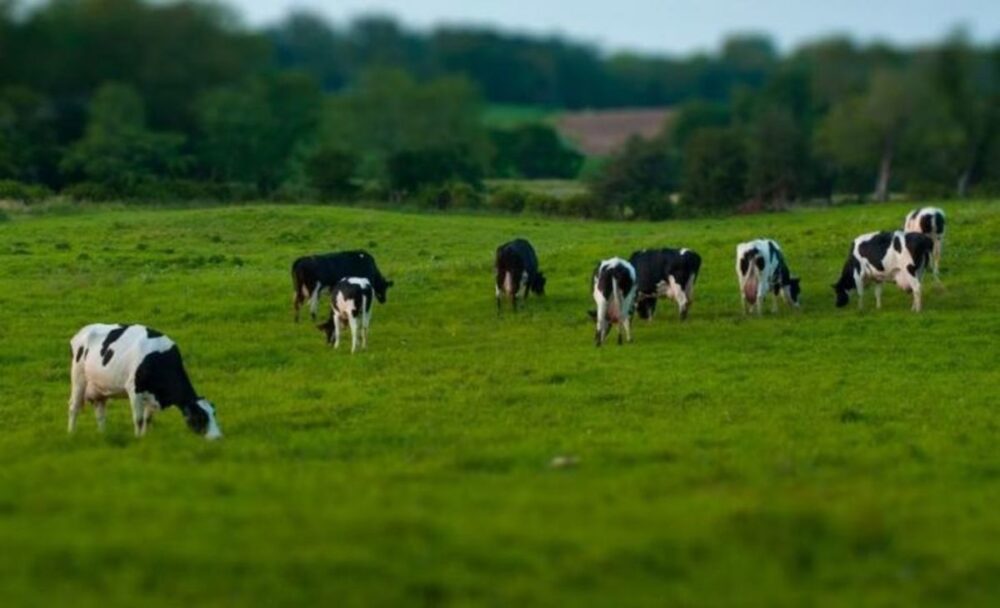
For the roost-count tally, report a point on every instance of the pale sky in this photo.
(673, 26)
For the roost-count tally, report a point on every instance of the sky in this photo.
(672, 26)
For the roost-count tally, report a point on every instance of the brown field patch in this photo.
(601, 132)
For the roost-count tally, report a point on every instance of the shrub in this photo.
(91, 191)
(533, 151)
(509, 199)
(332, 172)
(21, 192)
(715, 169)
(454, 195)
(545, 204)
(641, 177)
(410, 170)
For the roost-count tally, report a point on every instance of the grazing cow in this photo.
(614, 294)
(929, 221)
(140, 363)
(665, 273)
(885, 256)
(761, 267)
(314, 273)
(350, 304)
(516, 264)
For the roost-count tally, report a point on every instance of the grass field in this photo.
(819, 458)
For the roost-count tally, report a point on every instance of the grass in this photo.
(826, 457)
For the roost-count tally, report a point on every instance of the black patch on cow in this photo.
(846, 283)
(875, 248)
(920, 247)
(656, 266)
(927, 223)
(162, 375)
(518, 257)
(152, 333)
(79, 354)
(940, 222)
(329, 268)
(897, 244)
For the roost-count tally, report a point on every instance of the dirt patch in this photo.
(598, 133)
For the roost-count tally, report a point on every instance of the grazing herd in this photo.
(145, 366)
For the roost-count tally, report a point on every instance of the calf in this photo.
(350, 304)
(140, 363)
(516, 264)
(761, 267)
(312, 274)
(665, 273)
(884, 256)
(614, 294)
(929, 221)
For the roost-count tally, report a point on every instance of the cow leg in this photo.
(336, 331)
(625, 325)
(602, 311)
(314, 300)
(860, 285)
(917, 296)
(366, 320)
(76, 395)
(100, 411)
(354, 332)
(137, 412)
(938, 243)
(878, 296)
(296, 303)
(761, 292)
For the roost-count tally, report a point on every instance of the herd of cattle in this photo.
(144, 365)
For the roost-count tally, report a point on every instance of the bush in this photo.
(411, 170)
(509, 199)
(585, 205)
(455, 195)
(544, 204)
(641, 177)
(533, 151)
(91, 191)
(715, 169)
(332, 172)
(25, 193)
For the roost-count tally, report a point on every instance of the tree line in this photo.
(127, 98)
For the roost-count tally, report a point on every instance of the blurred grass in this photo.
(826, 457)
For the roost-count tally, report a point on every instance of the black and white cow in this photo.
(929, 221)
(614, 294)
(139, 363)
(314, 273)
(515, 265)
(667, 273)
(350, 305)
(761, 267)
(885, 256)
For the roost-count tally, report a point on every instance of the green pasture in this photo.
(822, 457)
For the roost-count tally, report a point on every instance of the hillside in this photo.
(823, 456)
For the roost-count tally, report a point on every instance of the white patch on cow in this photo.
(213, 432)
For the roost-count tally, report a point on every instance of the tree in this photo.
(866, 130)
(332, 172)
(250, 131)
(117, 149)
(28, 146)
(777, 157)
(533, 151)
(641, 177)
(715, 170)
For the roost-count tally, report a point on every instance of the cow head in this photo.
(329, 328)
(537, 284)
(201, 419)
(794, 290)
(646, 306)
(381, 286)
(843, 298)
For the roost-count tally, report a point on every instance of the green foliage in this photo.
(331, 172)
(390, 114)
(533, 151)
(715, 170)
(28, 143)
(508, 198)
(117, 149)
(250, 131)
(11, 190)
(449, 196)
(694, 116)
(640, 178)
(410, 170)
(777, 157)
(424, 470)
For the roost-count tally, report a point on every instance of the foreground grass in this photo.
(818, 458)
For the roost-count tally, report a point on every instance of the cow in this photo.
(761, 267)
(350, 304)
(614, 293)
(665, 273)
(140, 363)
(885, 256)
(515, 265)
(929, 221)
(314, 273)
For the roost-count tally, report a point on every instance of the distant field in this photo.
(825, 457)
(506, 116)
